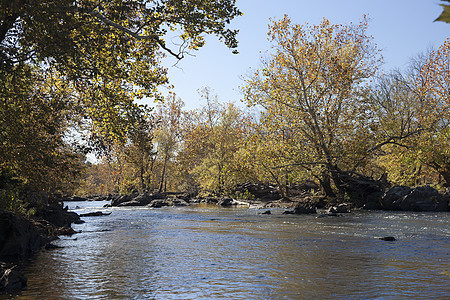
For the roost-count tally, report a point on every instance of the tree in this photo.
(269, 152)
(101, 56)
(108, 52)
(36, 154)
(212, 137)
(433, 86)
(312, 84)
(412, 119)
(168, 133)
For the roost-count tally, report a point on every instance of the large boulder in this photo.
(139, 200)
(119, 199)
(225, 202)
(56, 215)
(18, 236)
(130, 203)
(393, 197)
(158, 203)
(424, 198)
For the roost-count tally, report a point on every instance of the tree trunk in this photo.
(163, 175)
(325, 185)
(445, 173)
(143, 186)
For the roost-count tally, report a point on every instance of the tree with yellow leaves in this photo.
(312, 84)
(433, 87)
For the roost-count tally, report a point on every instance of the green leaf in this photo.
(445, 15)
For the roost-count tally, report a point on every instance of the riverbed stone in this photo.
(339, 209)
(372, 205)
(388, 238)
(424, 198)
(158, 203)
(95, 214)
(393, 197)
(119, 199)
(179, 202)
(302, 208)
(225, 202)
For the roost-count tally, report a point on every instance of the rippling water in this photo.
(210, 253)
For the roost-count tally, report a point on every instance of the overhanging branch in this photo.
(136, 35)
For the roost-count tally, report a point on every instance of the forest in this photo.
(319, 109)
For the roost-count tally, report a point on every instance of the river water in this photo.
(204, 252)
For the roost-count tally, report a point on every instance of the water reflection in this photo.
(209, 253)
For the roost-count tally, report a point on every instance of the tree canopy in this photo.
(71, 72)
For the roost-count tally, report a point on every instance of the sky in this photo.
(402, 29)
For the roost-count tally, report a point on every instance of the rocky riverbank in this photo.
(21, 237)
(302, 199)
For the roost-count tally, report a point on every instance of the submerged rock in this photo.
(329, 215)
(388, 238)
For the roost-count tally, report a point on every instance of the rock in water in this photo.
(388, 238)
(424, 198)
(225, 202)
(95, 214)
(302, 208)
(339, 209)
(392, 198)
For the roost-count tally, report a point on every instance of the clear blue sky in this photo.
(401, 28)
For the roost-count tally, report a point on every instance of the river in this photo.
(205, 252)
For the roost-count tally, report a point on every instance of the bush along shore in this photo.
(21, 237)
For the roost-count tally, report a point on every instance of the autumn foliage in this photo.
(319, 109)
